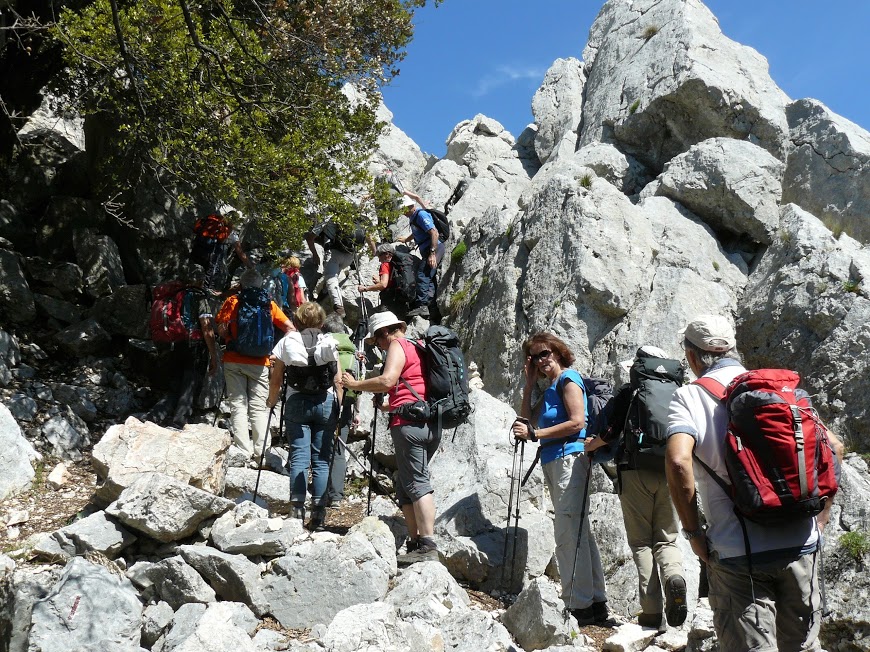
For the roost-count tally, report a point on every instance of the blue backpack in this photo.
(254, 335)
(277, 286)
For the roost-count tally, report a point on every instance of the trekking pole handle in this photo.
(528, 424)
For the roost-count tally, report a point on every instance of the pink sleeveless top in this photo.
(413, 373)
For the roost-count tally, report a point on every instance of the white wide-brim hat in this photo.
(378, 321)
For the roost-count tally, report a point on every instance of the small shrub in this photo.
(509, 231)
(586, 181)
(716, 265)
(458, 252)
(458, 298)
(650, 31)
(785, 237)
(856, 543)
(634, 107)
(852, 286)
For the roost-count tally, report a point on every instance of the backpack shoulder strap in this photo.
(713, 387)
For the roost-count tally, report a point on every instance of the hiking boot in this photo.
(297, 511)
(424, 551)
(651, 621)
(584, 616)
(419, 311)
(318, 517)
(339, 310)
(676, 608)
(601, 615)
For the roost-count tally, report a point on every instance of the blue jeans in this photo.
(310, 423)
(426, 275)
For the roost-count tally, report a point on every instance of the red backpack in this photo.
(172, 313)
(294, 294)
(780, 462)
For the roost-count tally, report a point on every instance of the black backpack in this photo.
(441, 222)
(403, 280)
(311, 378)
(653, 383)
(445, 376)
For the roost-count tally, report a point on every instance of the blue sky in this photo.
(489, 56)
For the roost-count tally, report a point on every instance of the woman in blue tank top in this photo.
(561, 430)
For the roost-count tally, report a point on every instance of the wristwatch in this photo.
(691, 534)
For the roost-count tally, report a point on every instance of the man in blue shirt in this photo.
(425, 235)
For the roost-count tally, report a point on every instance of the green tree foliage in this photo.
(238, 100)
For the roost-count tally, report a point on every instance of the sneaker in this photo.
(651, 621)
(423, 552)
(675, 596)
(584, 616)
(419, 311)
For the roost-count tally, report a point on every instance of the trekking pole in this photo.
(516, 470)
(583, 510)
(372, 461)
(369, 473)
(263, 453)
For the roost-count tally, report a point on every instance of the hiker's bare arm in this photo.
(825, 515)
(433, 246)
(336, 383)
(309, 240)
(417, 198)
(405, 238)
(382, 282)
(246, 261)
(387, 380)
(205, 324)
(681, 481)
(275, 379)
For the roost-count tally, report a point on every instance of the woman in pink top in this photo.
(413, 439)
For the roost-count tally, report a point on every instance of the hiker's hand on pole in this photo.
(520, 430)
(347, 380)
(593, 444)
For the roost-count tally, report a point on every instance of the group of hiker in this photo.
(281, 349)
(686, 454)
(736, 461)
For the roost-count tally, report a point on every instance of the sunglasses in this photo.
(540, 355)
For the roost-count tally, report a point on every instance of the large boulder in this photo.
(248, 530)
(807, 308)
(124, 312)
(558, 107)
(84, 338)
(16, 455)
(164, 508)
(584, 262)
(195, 455)
(67, 433)
(16, 299)
(828, 171)
(100, 260)
(90, 607)
(661, 77)
(472, 470)
(300, 594)
(233, 577)
(733, 185)
(96, 532)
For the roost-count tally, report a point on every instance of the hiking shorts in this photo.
(785, 614)
(415, 444)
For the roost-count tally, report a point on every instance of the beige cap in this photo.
(407, 201)
(711, 333)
